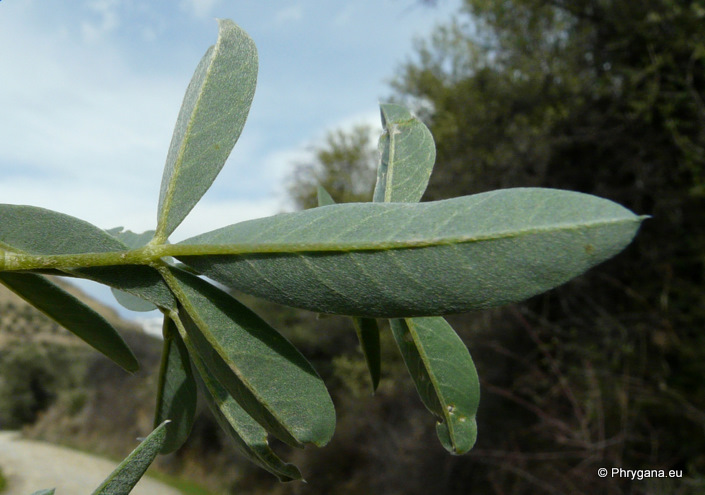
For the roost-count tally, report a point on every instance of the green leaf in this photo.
(71, 314)
(444, 375)
(48, 491)
(267, 375)
(211, 119)
(141, 281)
(35, 230)
(133, 303)
(407, 156)
(324, 197)
(366, 328)
(130, 471)
(176, 395)
(404, 174)
(401, 260)
(132, 241)
(368, 335)
(38, 231)
(249, 437)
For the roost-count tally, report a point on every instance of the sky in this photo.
(90, 91)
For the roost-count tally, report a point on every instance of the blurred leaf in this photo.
(130, 471)
(138, 280)
(38, 231)
(407, 156)
(445, 377)
(176, 395)
(141, 281)
(250, 438)
(48, 491)
(131, 302)
(368, 335)
(324, 197)
(131, 239)
(211, 119)
(71, 314)
(401, 260)
(268, 376)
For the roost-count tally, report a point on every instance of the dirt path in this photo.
(30, 466)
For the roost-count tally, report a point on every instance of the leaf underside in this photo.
(209, 124)
(130, 471)
(249, 437)
(38, 231)
(435, 258)
(263, 371)
(444, 375)
(408, 154)
(72, 314)
(176, 397)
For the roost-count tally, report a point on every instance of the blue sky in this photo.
(90, 91)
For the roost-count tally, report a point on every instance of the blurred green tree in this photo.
(344, 164)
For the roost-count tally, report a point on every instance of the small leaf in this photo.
(38, 231)
(445, 377)
(267, 375)
(211, 119)
(249, 437)
(368, 335)
(176, 395)
(132, 241)
(324, 197)
(407, 156)
(141, 281)
(48, 491)
(133, 303)
(401, 259)
(130, 471)
(71, 314)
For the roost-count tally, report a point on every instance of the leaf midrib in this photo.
(153, 253)
(185, 249)
(162, 224)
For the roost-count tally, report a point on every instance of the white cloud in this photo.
(201, 8)
(80, 132)
(288, 15)
(344, 15)
(108, 19)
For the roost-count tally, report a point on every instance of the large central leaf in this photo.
(399, 259)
